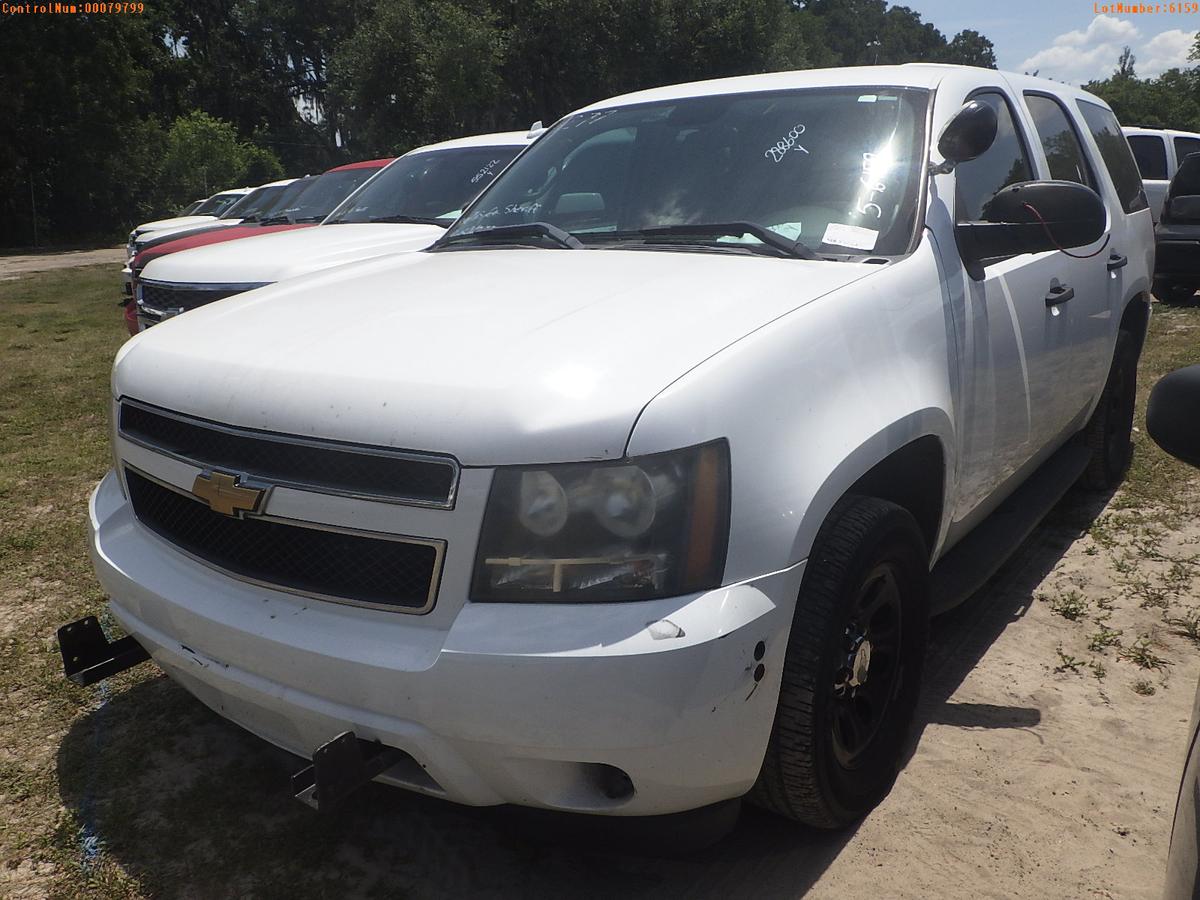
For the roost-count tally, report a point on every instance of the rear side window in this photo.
(1185, 146)
(1059, 140)
(1005, 162)
(1118, 159)
(1151, 155)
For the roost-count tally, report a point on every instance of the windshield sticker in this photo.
(486, 171)
(790, 230)
(780, 149)
(850, 236)
(867, 98)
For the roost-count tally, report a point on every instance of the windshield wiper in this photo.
(410, 220)
(772, 239)
(304, 219)
(502, 233)
(275, 220)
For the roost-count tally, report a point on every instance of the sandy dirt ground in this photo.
(12, 266)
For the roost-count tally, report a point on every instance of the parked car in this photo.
(1177, 235)
(300, 205)
(207, 211)
(405, 207)
(1159, 152)
(250, 206)
(247, 209)
(635, 492)
(1173, 421)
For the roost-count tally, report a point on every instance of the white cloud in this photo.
(1081, 55)
(1164, 51)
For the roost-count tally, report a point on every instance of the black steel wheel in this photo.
(852, 670)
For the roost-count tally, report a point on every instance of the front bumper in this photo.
(511, 703)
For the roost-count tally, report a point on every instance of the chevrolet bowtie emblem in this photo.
(223, 494)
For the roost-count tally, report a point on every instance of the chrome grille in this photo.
(353, 470)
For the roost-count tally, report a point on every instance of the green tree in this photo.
(1172, 100)
(203, 155)
(969, 48)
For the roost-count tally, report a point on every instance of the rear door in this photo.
(1130, 252)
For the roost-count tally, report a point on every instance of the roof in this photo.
(495, 139)
(277, 183)
(1170, 132)
(919, 75)
(363, 164)
(241, 190)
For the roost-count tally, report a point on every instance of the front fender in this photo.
(812, 401)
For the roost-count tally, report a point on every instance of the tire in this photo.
(1174, 292)
(826, 765)
(1109, 432)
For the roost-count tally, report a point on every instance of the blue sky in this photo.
(1066, 39)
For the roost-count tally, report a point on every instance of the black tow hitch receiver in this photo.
(339, 768)
(88, 656)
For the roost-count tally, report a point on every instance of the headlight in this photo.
(635, 529)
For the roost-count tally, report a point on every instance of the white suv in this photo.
(634, 494)
(1158, 152)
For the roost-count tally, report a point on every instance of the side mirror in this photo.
(1173, 414)
(968, 135)
(1033, 217)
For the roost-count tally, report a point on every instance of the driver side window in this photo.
(1005, 162)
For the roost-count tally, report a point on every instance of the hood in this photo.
(154, 238)
(498, 356)
(274, 257)
(205, 237)
(176, 222)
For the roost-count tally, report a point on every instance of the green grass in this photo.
(136, 790)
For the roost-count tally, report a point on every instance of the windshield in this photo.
(836, 169)
(252, 205)
(320, 195)
(433, 185)
(217, 204)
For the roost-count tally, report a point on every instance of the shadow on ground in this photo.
(190, 805)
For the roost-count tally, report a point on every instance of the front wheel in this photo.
(852, 670)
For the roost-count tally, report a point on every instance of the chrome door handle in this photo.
(1059, 293)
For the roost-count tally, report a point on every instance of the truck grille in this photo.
(323, 466)
(363, 569)
(163, 296)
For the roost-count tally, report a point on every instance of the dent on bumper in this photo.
(498, 703)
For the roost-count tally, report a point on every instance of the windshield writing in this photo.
(832, 168)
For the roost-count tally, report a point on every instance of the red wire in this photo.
(1058, 246)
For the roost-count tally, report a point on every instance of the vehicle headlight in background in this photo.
(633, 529)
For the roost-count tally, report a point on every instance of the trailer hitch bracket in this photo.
(88, 656)
(340, 767)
